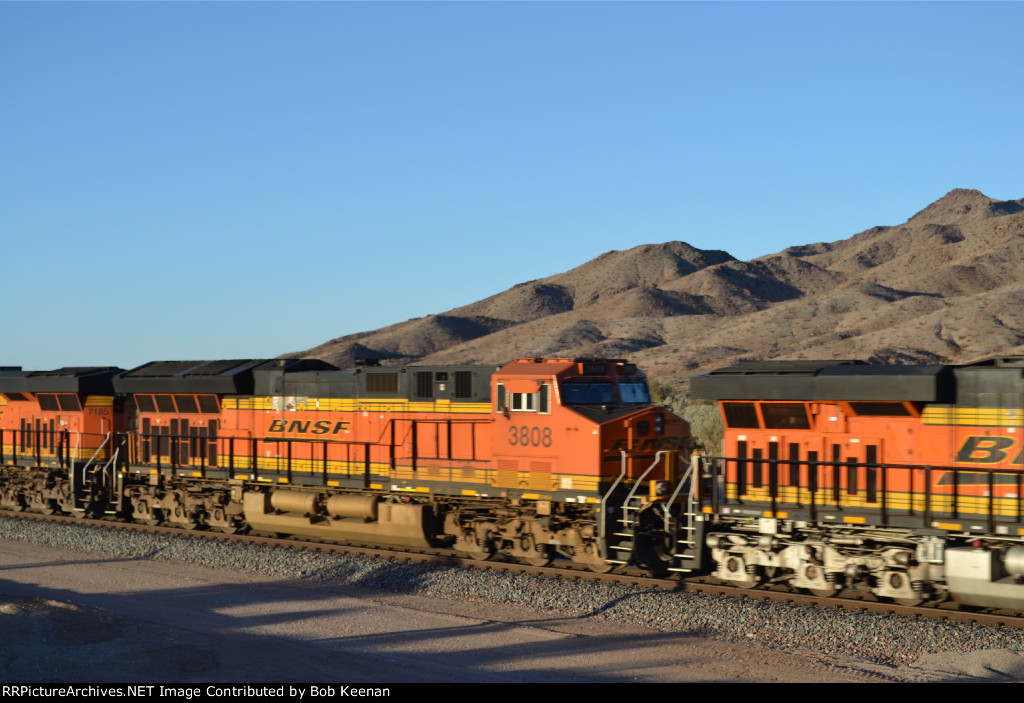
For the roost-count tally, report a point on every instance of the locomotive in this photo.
(903, 481)
(539, 458)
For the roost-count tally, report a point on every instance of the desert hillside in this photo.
(948, 284)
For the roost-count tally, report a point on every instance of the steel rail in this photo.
(844, 600)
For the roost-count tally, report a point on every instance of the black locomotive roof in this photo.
(95, 380)
(992, 383)
(225, 376)
(457, 383)
(12, 380)
(803, 367)
(192, 368)
(999, 362)
(278, 379)
(826, 380)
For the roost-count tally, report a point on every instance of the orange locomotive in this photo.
(59, 423)
(906, 481)
(539, 458)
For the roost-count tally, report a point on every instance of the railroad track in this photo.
(776, 592)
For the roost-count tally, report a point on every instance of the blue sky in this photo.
(220, 180)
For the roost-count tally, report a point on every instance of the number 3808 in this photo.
(523, 436)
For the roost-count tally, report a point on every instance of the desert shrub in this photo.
(705, 420)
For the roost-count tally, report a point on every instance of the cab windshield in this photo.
(591, 393)
(634, 393)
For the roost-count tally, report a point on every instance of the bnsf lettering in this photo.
(320, 427)
(988, 450)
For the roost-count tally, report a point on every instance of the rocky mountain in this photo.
(948, 284)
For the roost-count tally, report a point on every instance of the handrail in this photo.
(602, 522)
(687, 473)
(71, 469)
(641, 477)
(94, 454)
(927, 493)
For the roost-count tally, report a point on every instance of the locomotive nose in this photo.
(645, 444)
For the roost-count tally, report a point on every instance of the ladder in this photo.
(625, 545)
(95, 475)
(686, 531)
(689, 534)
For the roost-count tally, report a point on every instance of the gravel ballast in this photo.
(880, 638)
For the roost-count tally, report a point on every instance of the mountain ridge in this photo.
(946, 285)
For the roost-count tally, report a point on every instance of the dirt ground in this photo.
(74, 617)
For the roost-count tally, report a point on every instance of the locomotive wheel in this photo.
(90, 511)
(143, 514)
(481, 554)
(477, 543)
(38, 504)
(898, 581)
(148, 518)
(542, 558)
(739, 576)
(589, 556)
(525, 549)
(182, 520)
(65, 503)
(221, 521)
(477, 550)
(751, 581)
(812, 573)
(652, 553)
(653, 548)
(229, 526)
(600, 567)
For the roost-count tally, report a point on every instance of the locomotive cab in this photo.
(572, 428)
(581, 438)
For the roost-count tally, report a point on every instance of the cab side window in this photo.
(539, 402)
(523, 402)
